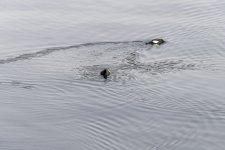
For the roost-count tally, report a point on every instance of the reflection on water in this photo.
(157, 97)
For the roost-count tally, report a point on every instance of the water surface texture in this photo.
(167, 97)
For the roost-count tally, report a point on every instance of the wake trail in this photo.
(48, 51)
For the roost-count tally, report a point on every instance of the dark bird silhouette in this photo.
(156, 41)
(105, 73)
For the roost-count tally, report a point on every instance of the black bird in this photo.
(105, 73)
(156, 41)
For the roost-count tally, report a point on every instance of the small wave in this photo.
(20, 84)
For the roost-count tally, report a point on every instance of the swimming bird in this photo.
(105, 73)
(156, 41)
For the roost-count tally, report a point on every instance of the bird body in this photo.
(105, 73)
(156, 41)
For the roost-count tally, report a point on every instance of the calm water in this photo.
(167, 97)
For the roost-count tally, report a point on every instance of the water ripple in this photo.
(157, 97)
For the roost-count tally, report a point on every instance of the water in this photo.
(157, 97)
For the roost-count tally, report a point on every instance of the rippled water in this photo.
(157, 97)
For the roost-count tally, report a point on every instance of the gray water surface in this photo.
(167, 97)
